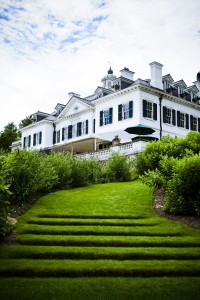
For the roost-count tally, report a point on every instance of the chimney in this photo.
(156, 75)
(126, 73)
(197, 83)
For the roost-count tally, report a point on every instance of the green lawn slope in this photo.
(100, 242)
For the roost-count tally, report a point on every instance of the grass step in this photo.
(109, 241)
(97, 231)
(77, 268)
(102, 217)
(91, 253)
(89, 222)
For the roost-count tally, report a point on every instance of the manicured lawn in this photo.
(100, 242)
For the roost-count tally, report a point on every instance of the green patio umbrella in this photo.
(140, 129)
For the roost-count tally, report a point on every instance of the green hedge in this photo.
(183, 189)
(173, 165)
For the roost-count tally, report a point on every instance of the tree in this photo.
(25, 122)
(8, 136)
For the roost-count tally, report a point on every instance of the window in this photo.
(74, 130)
(169, 116)
(27, 141)
(182, 120)
(85, 127)
(58, 136)
(125, 111)
(106, 117)
(194, 123)
(64, 133)
(149, 110)
(37, 138)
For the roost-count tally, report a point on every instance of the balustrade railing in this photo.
(126, 149)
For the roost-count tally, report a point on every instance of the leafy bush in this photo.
(28, 173)
(4, 206)
(62, 165)
(94, 170)
(183, 189)
(155, 151)
(85, 172)
(118, 168)
(153, 179)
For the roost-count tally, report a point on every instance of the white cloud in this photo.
(49, 48)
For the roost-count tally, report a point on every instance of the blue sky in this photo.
(49, 48)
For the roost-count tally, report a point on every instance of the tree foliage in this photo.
(25, 122)
(8, 136)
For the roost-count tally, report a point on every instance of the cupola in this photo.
(108, 79)
(110, 71)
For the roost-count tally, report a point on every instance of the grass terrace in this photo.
(100, 242)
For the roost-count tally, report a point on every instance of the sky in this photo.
(49, 48)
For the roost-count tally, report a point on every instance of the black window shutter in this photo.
(101, 118)
(155, 111)
(191, 123)
(29, 140)
(144, 108)
(94, 125)
(110, 115)
(40, 137)
(24, 142)
(79, 125)
(120, 112)
(130, 109)
(34, 139)
(178, 118)
(86, 126)
(63, 134)
(187, 121)
(173, 117)
(69, 131)
(54, 137)
(198, 124)
(164, 114)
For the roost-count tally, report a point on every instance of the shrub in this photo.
(94, 171)
(153, 179)
(183, 190)
(79, 172)
(118, 168)
(28, 173)
(4, 206)
(62, 165)
(155, 151)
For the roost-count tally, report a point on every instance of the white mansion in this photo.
(95, 125)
